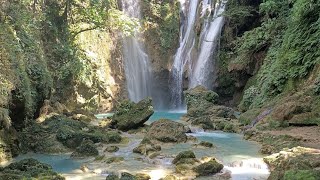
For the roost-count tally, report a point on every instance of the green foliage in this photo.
(248, 98)
(119, 21)
(289, 36)
(24, 67)
(301, 175)
(162, 21)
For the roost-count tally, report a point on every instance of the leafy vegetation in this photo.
(162, 21)
(277, 51)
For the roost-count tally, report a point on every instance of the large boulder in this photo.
(59, 134)
(203, 111)
(86, 149)
(185, 157)
(167, 131)
(208, 168)
(132, 116)
(200, 98)
(29, 169)
(146, 148)
(296, 163)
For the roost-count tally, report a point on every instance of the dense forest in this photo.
(97, 77)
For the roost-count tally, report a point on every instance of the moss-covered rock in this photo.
(169, 177)
(147, 148)
(111, 149)
(127, 176)
(200, 98)
(179, 159)
(60, 134)
(272, 143)
(115, 159)
(29, 169)
(301, 175)
(206, 144)
(87, 148)
(112, 177)
(141, 176)
(208, 168)
(132, 116)
(167, 131)
(296, 163)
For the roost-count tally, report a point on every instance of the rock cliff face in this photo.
(41, 59)
(262, 65)
(162, 26)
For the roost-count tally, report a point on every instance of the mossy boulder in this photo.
(167, 131)
(183, 168)
(112, 177)
(111, 149)
(208, 168)
(141, 176)
(114, 160)
(131, 115)
(61, 134)
(147, 149)
(169, 177)
(206, 144)
(302, 175)
(200, 98)
(86, 149)
(296, 163)
(127, 176)
(180, 158)
(29, 169)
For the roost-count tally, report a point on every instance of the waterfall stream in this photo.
(183, 54)
(202, 72)
(136, 61)
(201, 25)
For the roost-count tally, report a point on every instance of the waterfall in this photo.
(202, 73)
(183, 54)
(196, 53)
(136, 61)
(253, 168)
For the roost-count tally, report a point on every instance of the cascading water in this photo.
(202, 73)
(136, 61)
(196, 57)
(183, 54)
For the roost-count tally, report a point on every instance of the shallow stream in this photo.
(239, 157)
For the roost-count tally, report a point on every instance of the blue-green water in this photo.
(172, 115)
(61, 163)
(230, 148)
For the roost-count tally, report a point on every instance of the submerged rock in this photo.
(132, 116)
(208, 168)
(167, 131)
(205, 144)
(29, 169)
(87, 148)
